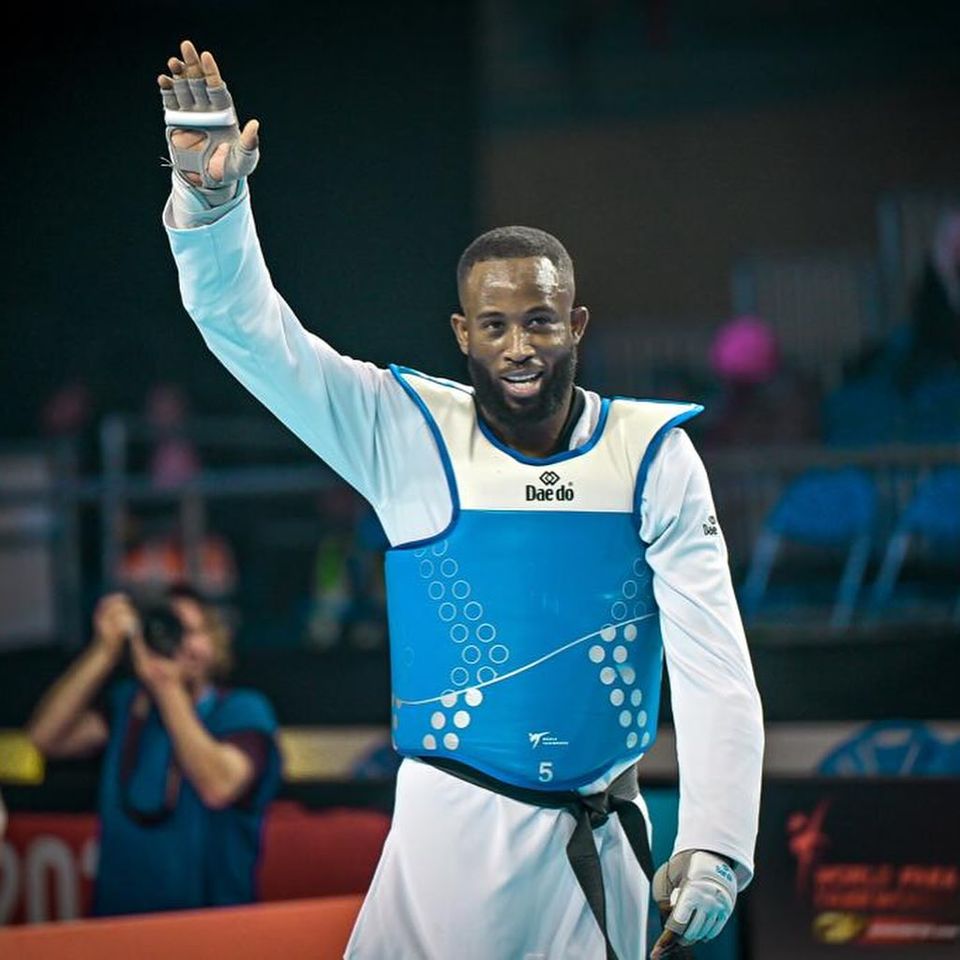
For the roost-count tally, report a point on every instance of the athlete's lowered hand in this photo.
(697, 890)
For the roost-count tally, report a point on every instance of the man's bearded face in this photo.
(520, 335)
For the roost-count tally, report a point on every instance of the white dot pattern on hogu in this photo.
(631, 598)
(446, 612)
(473, 610)
(451, 592)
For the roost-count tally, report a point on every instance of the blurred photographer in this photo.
(189, 766)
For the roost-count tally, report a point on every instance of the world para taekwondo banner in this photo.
(857, 868)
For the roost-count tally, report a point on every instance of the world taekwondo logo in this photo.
(550, 491)
(545, 738)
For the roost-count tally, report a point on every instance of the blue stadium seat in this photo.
(934, 515)
(822, 508)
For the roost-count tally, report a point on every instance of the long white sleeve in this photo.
(354, 415)
(716, 707)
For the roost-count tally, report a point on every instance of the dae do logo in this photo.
(552, 490)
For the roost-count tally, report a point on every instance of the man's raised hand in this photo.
(206, 145)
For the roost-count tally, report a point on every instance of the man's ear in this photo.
(459, 323)
(579, 318)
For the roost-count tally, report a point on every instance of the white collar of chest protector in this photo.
(587, 423)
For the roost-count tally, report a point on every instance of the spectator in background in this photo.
(759, 401)
(174, 459)
(931, 344)
(189, 766)
(907, 390)
(156, 558)
(156, 554)
(67, 414)
(67, 411)
(348, 605)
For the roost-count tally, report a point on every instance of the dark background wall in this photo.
(657, 213)
(663, 140)
(363, 196)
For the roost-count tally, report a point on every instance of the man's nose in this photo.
(519, 348)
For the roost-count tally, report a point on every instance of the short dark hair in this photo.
(512, 243)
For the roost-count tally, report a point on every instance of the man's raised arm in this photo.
(352, 414)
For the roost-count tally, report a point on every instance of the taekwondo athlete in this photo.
(549, 548)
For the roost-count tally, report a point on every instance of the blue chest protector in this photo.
(525, 638)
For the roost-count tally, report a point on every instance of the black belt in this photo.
(590, 812)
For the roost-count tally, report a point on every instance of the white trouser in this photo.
(470, 874)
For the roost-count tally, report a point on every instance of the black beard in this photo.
(492, 400)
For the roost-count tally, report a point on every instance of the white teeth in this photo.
(521, 377)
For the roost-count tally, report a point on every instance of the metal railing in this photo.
(746, 485)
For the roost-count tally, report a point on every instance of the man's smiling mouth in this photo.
(523, 384)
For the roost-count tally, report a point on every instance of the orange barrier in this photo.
(326, 853)
(297, 930)
(47, 872)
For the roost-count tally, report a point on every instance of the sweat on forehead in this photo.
(516, 243)
(530, 276)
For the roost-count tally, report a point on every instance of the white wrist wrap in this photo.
(192, 105)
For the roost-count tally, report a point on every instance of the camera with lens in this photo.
(162, 629)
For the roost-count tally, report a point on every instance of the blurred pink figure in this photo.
(759, 402)
(67, 411)
(174, 459)
(745, 350)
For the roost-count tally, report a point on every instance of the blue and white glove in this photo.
(697, 891)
